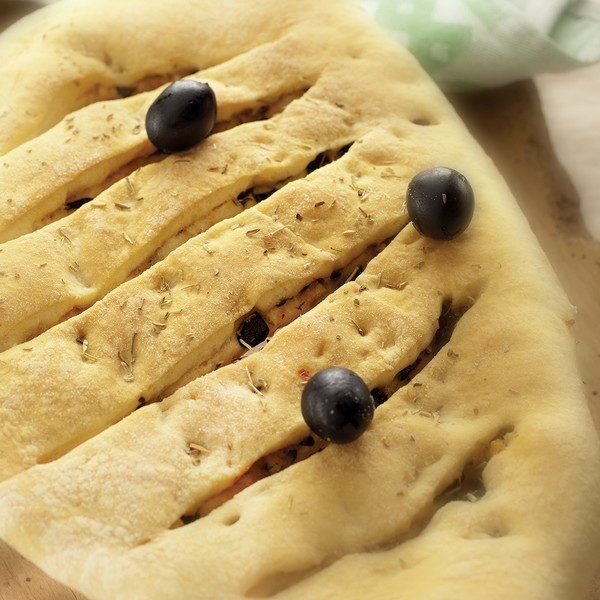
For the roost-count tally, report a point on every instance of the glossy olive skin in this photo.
(440, 203)
(336, 405)
(181, 116)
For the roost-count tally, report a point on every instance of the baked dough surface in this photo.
(479, 474)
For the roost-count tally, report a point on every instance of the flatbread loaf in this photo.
(138, 457)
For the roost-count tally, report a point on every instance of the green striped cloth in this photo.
(471, 44)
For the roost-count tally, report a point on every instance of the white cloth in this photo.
(470, 44)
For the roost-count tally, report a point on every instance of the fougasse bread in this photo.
(137, 463)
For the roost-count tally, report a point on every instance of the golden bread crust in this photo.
(478, 474)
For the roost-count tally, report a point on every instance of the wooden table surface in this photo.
(570, 102)
(511, 127)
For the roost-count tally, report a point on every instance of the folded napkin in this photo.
(471, 44)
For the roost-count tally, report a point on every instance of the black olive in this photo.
(379, 396)
(187, 519)
(253, 330)
(316, 163)
(125, 92)
(440, 203)
(181, 116)
(336, 405)
(73, 204)
(308, 441)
